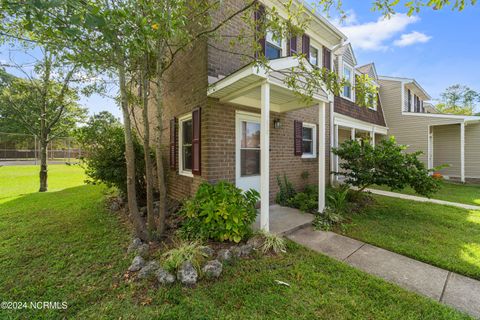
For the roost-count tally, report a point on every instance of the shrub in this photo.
(286, 191)
(327, 219)
(387, 164)
(184, 251)
(337, 198)
(220, 212)
(102, 139)
(272, 242)
(306, 201)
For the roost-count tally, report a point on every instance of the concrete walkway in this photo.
(445, 286)
(422, 199)
(284, 220)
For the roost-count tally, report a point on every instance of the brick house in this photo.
(225, 119)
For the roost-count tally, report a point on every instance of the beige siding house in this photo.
(444, 139)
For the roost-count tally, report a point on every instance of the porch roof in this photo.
(243, 87)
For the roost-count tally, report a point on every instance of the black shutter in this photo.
(173, 143)
(306, 46)
(196, 142)
(409, 101)
(327, 59)
(298, 137)
(292, 46)
(259, 19)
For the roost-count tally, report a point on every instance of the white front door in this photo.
(247, 151)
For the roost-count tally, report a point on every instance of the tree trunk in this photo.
(145, 85)
(138, 222)
(43, 165)
(162, 208)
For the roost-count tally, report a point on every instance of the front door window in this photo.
(250, 149)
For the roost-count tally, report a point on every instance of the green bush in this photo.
(286, 191)
(220, 212)
(386, 164)
(103, 142)
(327, 219)
(305, 201)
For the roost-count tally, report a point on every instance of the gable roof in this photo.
(346, 49)
(369, 69)
(407, 81)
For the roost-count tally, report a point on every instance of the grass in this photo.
(444, 236)
(64, 246)
(449, 191)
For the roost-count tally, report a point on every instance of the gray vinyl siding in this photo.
(472, 151)
(408, 130)
(446, 149)
(348, 58)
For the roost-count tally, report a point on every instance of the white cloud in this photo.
(407, 39)
(375, 35)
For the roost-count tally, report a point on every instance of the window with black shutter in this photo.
(196, 142)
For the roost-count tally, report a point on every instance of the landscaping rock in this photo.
(207, 251)
(143, 250)
(164, 277)
(187, 274)
(137, 264)
(243, 251)
(212, 269)
(256, 242)
(224, 255)
(136, 243)
(148, 270)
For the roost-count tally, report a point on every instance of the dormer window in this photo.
(348, 76)
(273, 46)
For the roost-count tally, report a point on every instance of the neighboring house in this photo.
(226, 119)
(444, 139)
(350, 120)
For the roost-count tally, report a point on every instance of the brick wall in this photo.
(224, 57)
(185, 88)
(219, 140)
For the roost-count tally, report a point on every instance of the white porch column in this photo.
(321, 156)
(352, 134)
(265, 157)
(336, 146)
(372, 136)
(462, 151)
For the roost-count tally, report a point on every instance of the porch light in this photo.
(277, 124)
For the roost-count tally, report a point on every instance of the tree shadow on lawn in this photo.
(444, 236)
(60, 246)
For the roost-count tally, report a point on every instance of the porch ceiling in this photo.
(243, 88)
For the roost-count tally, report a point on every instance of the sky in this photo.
(437, 48)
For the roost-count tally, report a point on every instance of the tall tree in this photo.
(43, 103)
(458, 99)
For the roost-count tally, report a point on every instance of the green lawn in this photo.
(445, 236)
(63, 246)
(449, 191)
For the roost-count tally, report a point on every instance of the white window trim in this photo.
(187, 173)
(318, 56)
(375, 103)
(314, 141)
(352, 83)
(282, 47)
